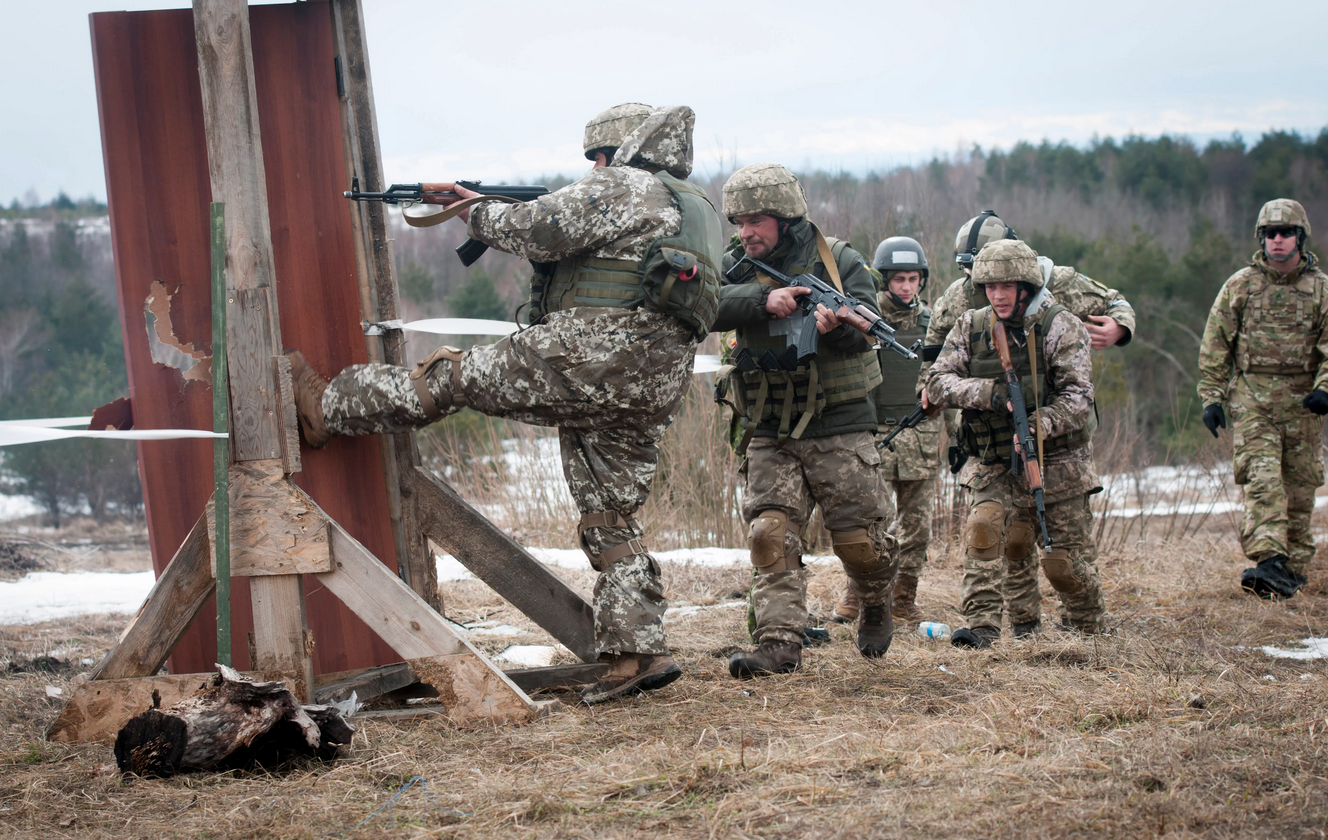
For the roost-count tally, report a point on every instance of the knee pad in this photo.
(765, 541)
(856, 550)
(612, 553)
(982, 534)
(1019, 541)
(1060, 570)
(419, 377)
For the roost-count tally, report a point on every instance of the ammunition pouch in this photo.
(419, 378)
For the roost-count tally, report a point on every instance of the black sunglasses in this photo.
(1284, 232)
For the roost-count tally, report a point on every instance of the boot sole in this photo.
(643, 683)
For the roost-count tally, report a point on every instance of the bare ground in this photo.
(1173, 727)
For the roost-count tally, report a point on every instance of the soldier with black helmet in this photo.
(909, 467)
(1264, 354)
(811, 427)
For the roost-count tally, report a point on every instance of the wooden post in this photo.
(221, 447)
(378, 295)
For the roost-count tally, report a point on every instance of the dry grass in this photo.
(1173, 727)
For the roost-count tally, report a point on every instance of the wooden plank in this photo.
(281, 633)
(166, 614)
(366, 684)
(504, 565)
(557, 676)
(97, 709)
(287, 420)
(276, 529)
(476, 688)
(377, 285)
(235, 168)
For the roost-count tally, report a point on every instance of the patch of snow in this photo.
(500, 630)
(692, 609)
(17, 507)
(44, 596)
(1311, 648)
(529, 656)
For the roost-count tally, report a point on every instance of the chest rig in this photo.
(897, 394)
(1277, 328)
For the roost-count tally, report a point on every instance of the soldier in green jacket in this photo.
(1050, 350)
(1265, 356)
(811, 427)
(909, 467)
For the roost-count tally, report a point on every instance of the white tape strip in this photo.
(461, 326)
(50, 423)
(12, 434)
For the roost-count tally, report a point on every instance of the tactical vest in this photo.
(679, 274)
(1276, 333)
(897, 394)
(989, 435)
(795, 397)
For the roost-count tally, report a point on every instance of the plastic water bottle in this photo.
(933, 630)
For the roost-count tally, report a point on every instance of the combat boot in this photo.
(905, 608)
(1024, 629)
(846, 611)
(308, 388)
(875, 629)
(770, 658)
(1271, 579)
(975, 637)
(632, 672)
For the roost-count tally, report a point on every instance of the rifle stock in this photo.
(1025, 451)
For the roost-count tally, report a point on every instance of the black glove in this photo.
(958, 458)
(1000, 395)
(1316, 401)
(1214, 417)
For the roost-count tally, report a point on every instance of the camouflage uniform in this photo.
(832, 461)
(1001, 515)
(910, 470)
(1264, 349)
(1083, 297)
(609, 378)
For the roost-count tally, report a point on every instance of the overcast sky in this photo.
(502, 90)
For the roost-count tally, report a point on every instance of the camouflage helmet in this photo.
(608, 128)
(1282, 212)
(978, 231)
(1007, 261)
(765, 188)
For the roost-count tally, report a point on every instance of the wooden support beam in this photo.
(504, 565)
(281, 633)
(378, 291)
(557, 676)
(366, 684)
(475, 687)
(166, 614)
(235, 166)
(276, 529)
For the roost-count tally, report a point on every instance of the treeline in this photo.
(61, 355)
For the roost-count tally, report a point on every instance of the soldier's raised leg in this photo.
(1023, 598)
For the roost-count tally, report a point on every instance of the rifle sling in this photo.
(1032, 361)
(453, 210)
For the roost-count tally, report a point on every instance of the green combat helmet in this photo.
(1007, 261)
(977, 232)
(766, 189)
(1284, 212)
(606, 131)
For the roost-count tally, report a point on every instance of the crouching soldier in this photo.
(1050, 350)
(812, 422)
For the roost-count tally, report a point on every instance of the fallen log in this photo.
(230, 722)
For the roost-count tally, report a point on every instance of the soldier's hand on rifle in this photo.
(826, 319)
(1317, 402)
(1213, 417)
(783, 301)
(461, 191)
(1104, 331)
(1000, 397)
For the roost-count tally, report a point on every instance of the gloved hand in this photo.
(958, 458)
(1000, 395)
(1214, 416)
(1316, 401)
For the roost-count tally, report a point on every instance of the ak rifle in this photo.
(800, 331)
(1025, 454)
(445, 194)
(913, 418)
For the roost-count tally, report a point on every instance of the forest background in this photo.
(1162, 220)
